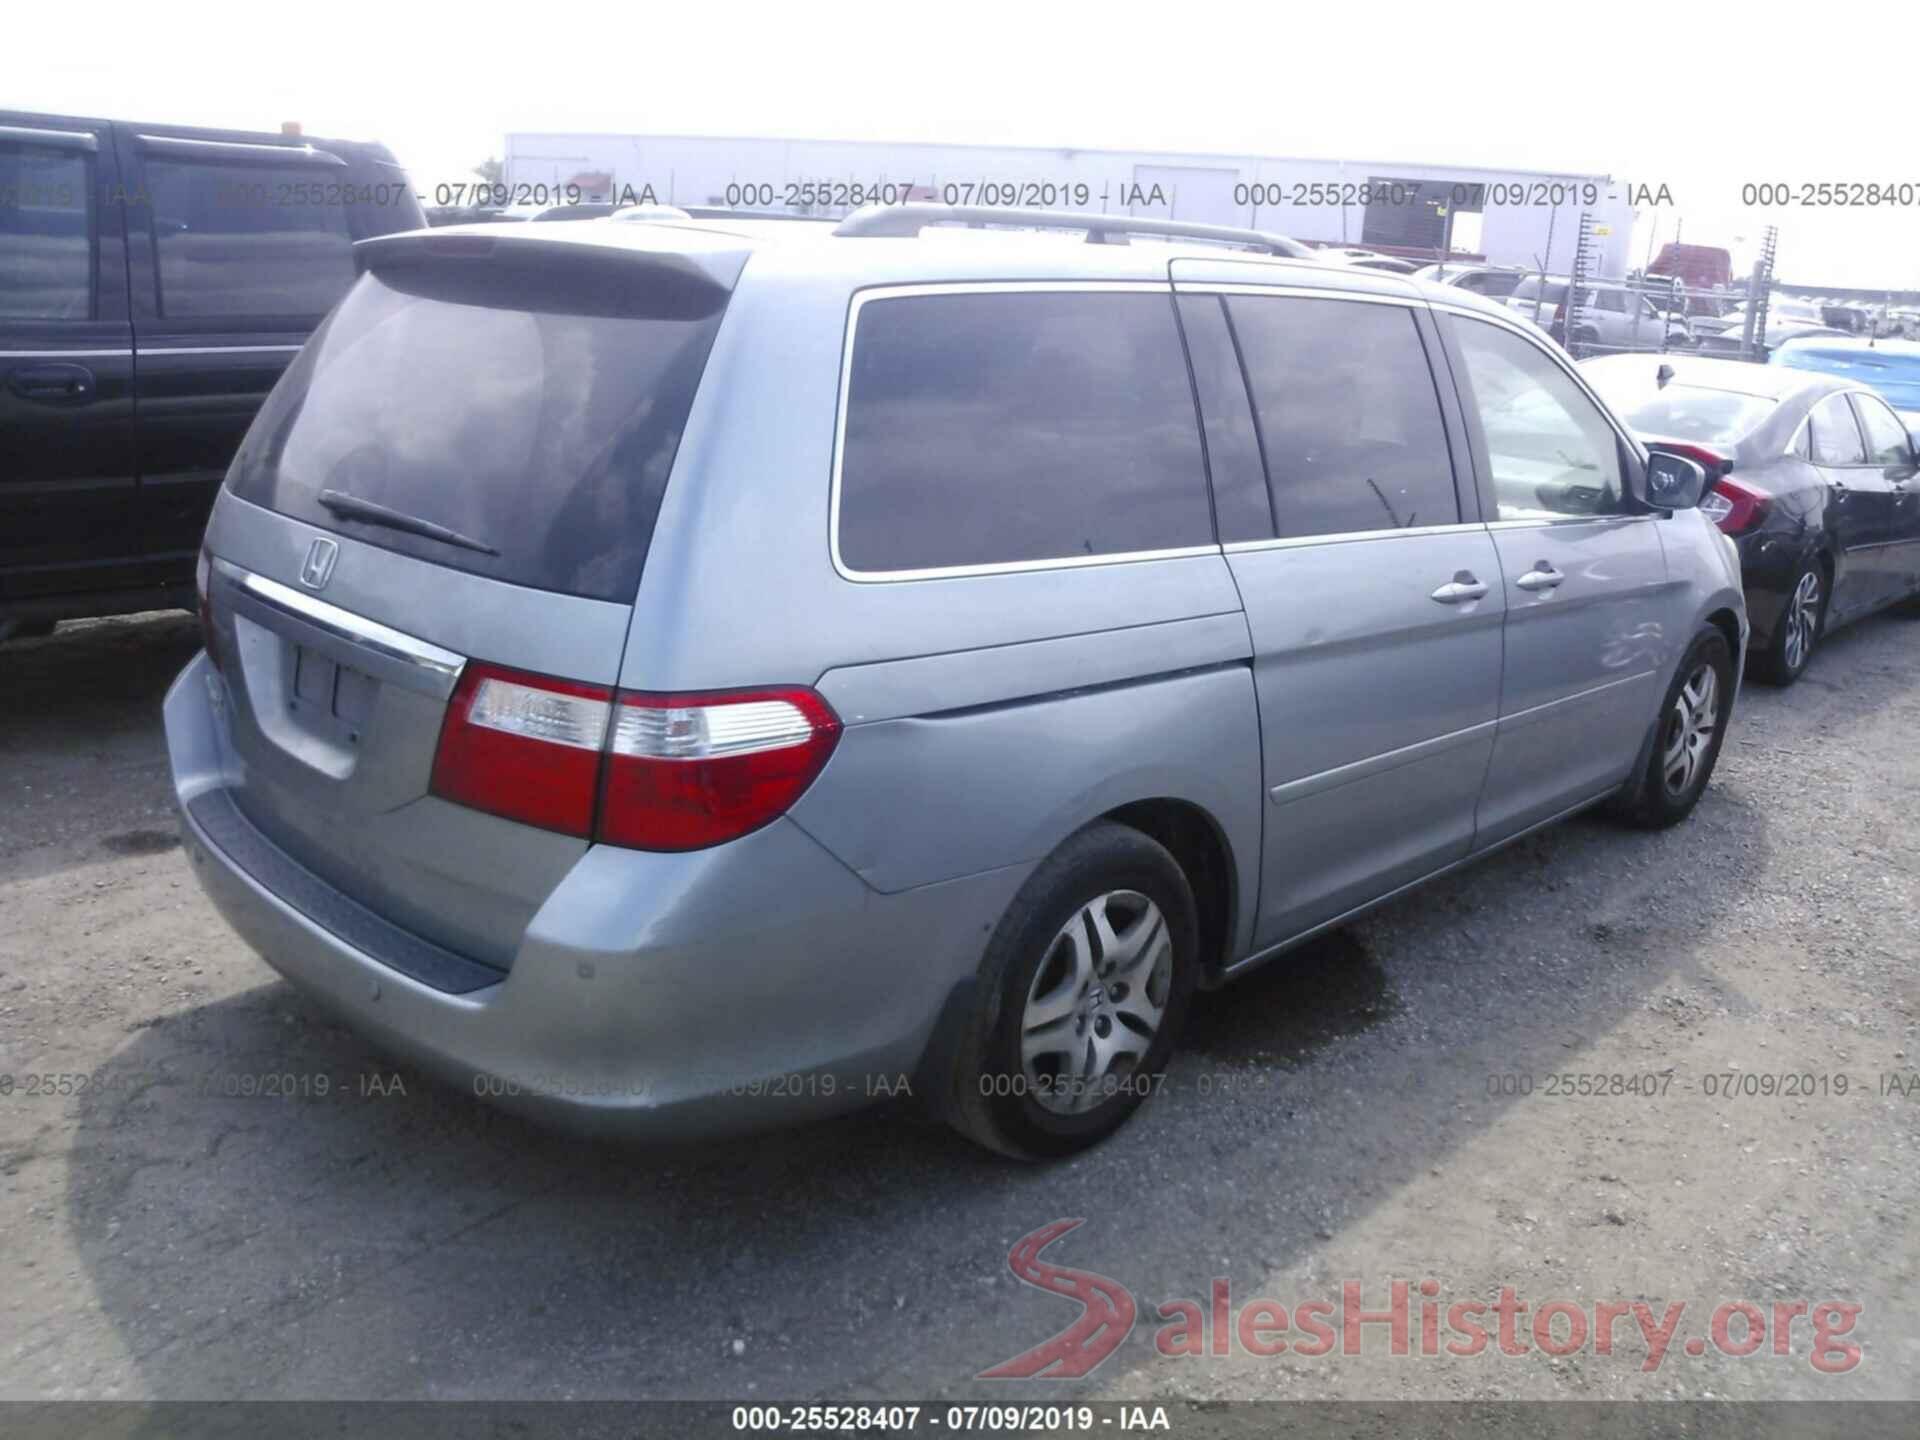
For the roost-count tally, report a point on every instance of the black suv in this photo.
(154, 282)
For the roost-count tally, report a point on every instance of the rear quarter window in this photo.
(1004, 428)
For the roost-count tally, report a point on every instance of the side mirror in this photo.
(1674, 482)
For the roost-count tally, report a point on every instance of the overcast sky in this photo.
(1702, 102)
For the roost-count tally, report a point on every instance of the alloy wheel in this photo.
(1802, 621)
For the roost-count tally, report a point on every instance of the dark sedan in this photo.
(1813, 475)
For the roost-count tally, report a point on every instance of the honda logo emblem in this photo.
(317, 569)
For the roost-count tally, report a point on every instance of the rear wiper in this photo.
(352, 507)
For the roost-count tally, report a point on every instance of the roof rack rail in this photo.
(909, 220)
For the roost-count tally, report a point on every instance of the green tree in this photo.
(491, 170)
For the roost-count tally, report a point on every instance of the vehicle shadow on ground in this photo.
(81, 750)
(392, 1237)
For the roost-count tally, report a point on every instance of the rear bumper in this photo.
(652, 995)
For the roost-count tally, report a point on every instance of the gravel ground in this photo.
(1330, 1119)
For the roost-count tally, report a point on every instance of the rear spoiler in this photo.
(692, 259)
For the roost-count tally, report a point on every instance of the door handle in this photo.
(52, 384)
(1542, 577)
(1463, 586)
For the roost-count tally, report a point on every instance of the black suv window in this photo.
(1348, 415)
(248, 240)
(46, 234)
(1002, 428)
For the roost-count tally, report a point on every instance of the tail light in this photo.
(523, 746)
(650, 772)
(688, 771)
(1734, 507)
(203, 589)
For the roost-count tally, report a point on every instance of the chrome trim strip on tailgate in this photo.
(443, 667)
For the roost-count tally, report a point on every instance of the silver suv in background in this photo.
(1607, 316)
(666, 677)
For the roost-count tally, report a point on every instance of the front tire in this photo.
(1687, 737)
(1083, 989)
(1802, 624)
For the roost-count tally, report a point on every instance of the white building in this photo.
(1512, 217)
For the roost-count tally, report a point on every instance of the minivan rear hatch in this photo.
(461, 470)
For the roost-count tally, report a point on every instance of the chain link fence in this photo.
(1740, 320)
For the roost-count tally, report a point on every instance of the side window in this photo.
(1240, 502)
(993, 429)
(46, 234)
(1887, 442)
(1551, 450)
(1348, 415)
(1833, 436)
(245, 241)
(1613, 301)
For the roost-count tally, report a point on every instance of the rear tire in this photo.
(1687, 737)
(1801, 626)
(1083, 989)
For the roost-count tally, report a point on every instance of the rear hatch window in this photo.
(1686, 412)
(529, 404)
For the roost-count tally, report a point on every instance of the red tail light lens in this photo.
(688, 771)
(1734, 507)
(669, 772)
(524, 746)
(203, 586)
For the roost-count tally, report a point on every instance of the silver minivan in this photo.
(673, 677)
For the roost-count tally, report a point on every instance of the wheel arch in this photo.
(1200, 846)
(1728, 624)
